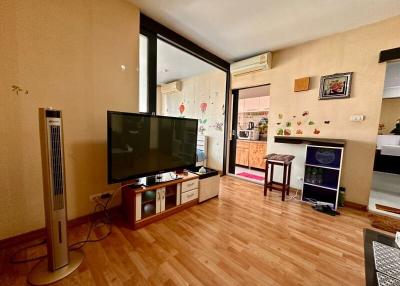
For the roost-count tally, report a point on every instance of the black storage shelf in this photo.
(322, 172)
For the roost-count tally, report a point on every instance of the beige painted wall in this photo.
(390, 113)
(206, 88)
(68, 55)
(357, 51)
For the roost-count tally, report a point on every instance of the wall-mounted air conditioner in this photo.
(171, 87)
(253, 64)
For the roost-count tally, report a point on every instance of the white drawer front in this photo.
(190, 185)
(209, 188)
(190, 196)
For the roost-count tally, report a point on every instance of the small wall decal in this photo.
(288, 124)
(280, 115)
(278, 123)
(299, 131)
(181, 108)
(305, 113)
(279, 131)
(218, 126)
(317, 131)
(203, 107)
(202, 129)
(311, 122)
(327, 122)
(18, 90)
(287, 132)
(298, 123)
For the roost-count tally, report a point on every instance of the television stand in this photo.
(158, 179)
(145, 204)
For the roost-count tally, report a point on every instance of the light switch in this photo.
(357, 117)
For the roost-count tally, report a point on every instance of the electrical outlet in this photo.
(357, 118)
(100, 196)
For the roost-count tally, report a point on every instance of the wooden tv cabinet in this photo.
(144, 205)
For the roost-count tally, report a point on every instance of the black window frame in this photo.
(153, 31)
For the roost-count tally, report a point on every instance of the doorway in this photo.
(248, 144)
(385, 190)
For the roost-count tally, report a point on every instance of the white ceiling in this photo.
(235, 29)
(174, 64)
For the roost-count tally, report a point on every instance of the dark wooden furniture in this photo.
(310, 140)
(369, 237)
(280, 160)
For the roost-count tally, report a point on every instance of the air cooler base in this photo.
(40, 274)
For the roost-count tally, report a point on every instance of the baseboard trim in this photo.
(41, 233)
(356, 206)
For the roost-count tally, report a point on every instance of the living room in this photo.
(331, 73)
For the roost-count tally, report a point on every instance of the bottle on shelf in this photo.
(319, 177)
(307, 177)
(313, 176)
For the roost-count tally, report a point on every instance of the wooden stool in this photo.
(280, 160)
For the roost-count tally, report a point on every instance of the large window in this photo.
(143, 72)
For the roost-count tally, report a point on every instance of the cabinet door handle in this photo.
(163, 194)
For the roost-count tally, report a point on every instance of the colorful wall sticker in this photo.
(181, 108)
(299, 131)
(316, 131)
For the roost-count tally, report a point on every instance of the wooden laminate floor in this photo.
(241, 238)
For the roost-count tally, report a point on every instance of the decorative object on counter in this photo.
(280, 160)
(301, 84)
(381, 129)
(335, 86)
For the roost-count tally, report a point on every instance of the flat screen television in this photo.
(141, 145)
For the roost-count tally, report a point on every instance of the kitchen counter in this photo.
(310, 140)
(247, 140)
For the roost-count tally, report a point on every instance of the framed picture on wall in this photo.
(337, 85)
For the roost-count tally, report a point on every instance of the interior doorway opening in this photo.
(248, 145)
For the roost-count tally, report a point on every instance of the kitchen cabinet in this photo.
(251, 153)
(242, 153)
(257, 151)
(251, 104)
(264, 103)
(254, 104)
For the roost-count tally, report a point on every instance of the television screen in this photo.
(141, 145)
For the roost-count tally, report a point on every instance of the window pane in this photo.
(143, 89)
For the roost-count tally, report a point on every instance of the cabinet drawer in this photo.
(189, 196)
(190, 185)
(242, 144)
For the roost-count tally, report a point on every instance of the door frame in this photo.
(232, 141)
